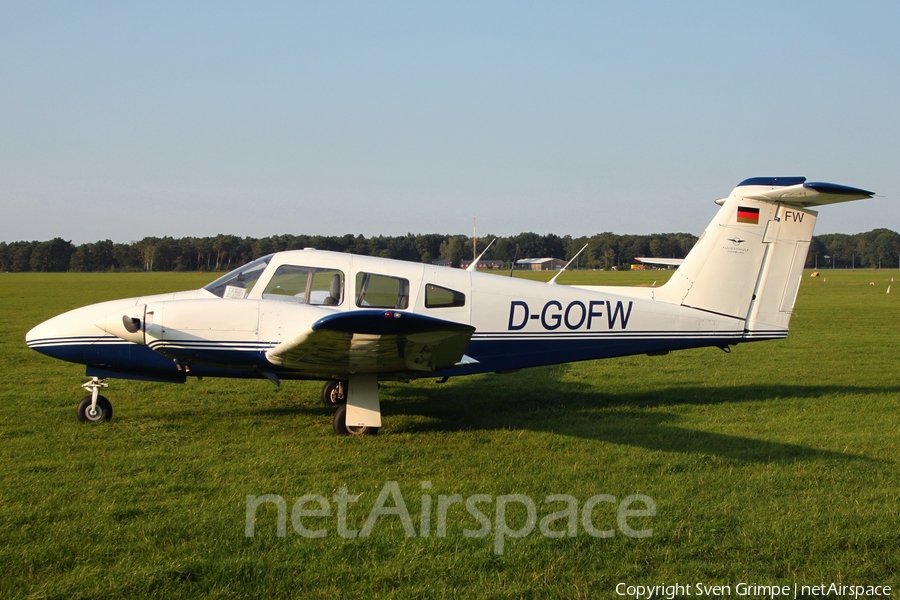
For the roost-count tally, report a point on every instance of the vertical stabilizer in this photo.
(749, 261)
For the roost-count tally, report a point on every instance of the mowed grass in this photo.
(776, 463)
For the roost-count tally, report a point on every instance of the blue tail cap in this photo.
(775, 181)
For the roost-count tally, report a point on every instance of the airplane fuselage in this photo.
(518, 323)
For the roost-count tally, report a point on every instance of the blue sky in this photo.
(122, 120)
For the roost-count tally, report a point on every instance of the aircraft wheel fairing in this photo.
(334, 393)
(340, 424)
(103, 411)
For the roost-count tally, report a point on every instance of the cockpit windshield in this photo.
(238, 283)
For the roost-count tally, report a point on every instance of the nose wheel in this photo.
(94, 408)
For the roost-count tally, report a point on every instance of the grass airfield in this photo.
(774, 464)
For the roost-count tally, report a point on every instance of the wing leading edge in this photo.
(374, 341)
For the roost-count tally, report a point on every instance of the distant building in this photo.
(441, 262)
(540, 264)
(482, 264)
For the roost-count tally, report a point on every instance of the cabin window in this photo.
(306, 285)
(381, 291)
(238, 283)
(441, 297)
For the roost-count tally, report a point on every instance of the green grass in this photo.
(777, 463)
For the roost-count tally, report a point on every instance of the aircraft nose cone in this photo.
(51, 329)
(34, 334)
(56, 338)
(68, 336)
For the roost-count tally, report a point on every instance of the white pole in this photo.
(474, 240)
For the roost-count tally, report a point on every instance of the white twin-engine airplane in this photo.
(353, 321)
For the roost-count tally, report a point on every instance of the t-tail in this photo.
(749, 262)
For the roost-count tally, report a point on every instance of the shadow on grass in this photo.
(541, 401)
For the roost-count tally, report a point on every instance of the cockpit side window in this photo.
(307, 285)
(238, 283)
(381, 291)
(441, 297)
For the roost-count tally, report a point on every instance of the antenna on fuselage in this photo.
(515, 257)
(474, 264)
(553, 281)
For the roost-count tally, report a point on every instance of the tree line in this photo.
(877, 248)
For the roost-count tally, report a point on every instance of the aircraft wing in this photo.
(670, 262)
(374, 341)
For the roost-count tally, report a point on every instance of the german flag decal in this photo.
(748, 215)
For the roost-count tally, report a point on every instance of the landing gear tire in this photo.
(341, 428)
(103, 411)
(334, 393)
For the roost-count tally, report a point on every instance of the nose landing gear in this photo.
(94, 408)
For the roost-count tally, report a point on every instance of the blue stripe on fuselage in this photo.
(499, 351)
(241, 355)
(112, 357)
(508, 354)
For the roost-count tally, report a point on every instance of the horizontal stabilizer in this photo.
(797, 192)
(669, 262)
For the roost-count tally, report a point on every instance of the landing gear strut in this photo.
(94, 408)
(360, 414)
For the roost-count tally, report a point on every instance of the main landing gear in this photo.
(94, 408)
(334, 393)
(341, 428)
(358, 410)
